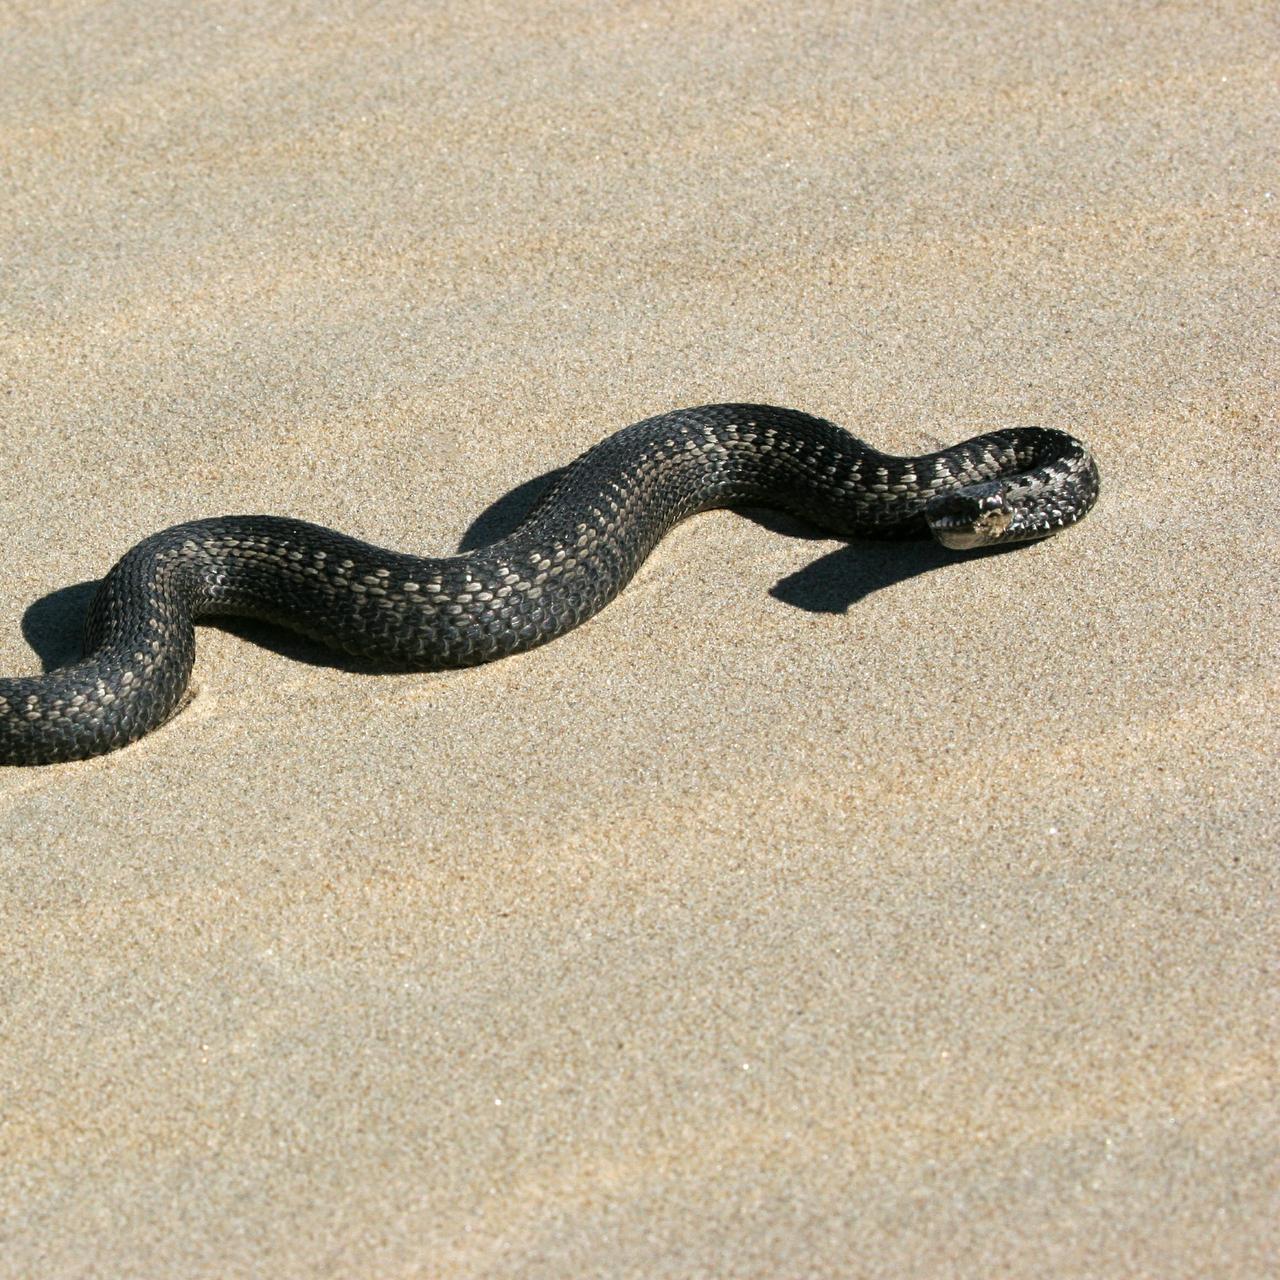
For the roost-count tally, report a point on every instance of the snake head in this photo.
(976, 516)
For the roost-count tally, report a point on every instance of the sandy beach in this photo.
(817, 909)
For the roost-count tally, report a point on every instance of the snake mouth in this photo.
(965, 521)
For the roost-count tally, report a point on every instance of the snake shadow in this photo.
(54, 624)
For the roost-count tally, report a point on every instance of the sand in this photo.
(813, 911)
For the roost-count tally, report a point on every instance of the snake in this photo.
(571, 555)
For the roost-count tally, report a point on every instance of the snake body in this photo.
(572, 554)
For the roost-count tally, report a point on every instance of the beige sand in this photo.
(813, 911)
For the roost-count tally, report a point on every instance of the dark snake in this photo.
(572, 554)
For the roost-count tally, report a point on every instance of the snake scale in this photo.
(571, 555)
